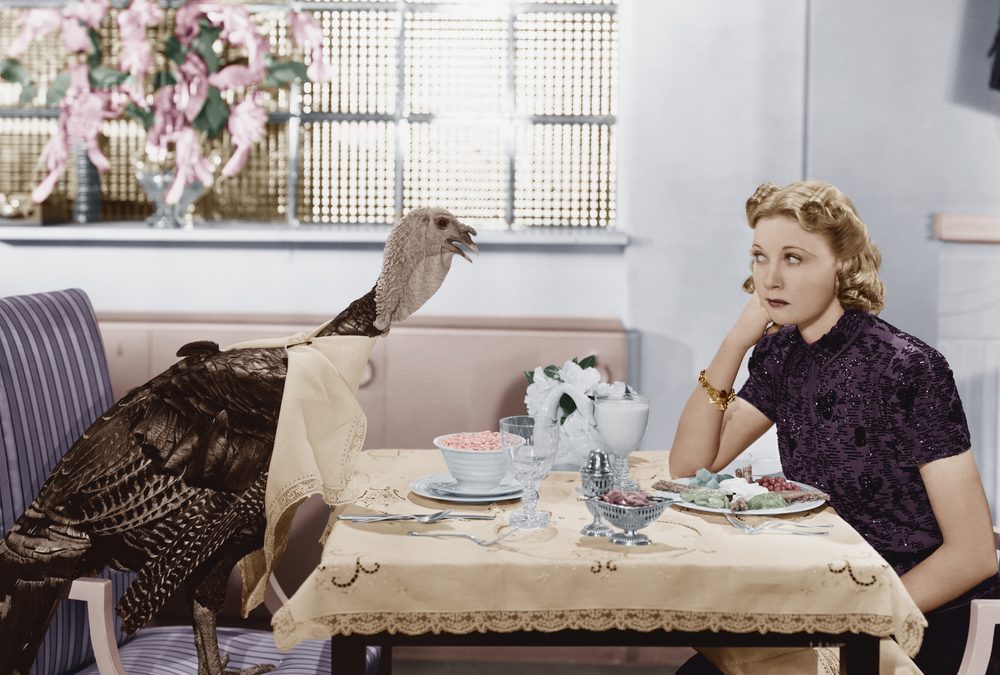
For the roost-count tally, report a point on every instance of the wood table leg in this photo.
(348, 655)
(385, 661)
(859, 655)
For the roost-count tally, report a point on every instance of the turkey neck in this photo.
(357, 319)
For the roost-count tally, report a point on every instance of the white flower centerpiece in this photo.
(576, 437)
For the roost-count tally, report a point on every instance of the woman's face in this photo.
(795, 273)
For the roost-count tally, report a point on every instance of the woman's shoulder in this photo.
(775, 345)
(901, 350)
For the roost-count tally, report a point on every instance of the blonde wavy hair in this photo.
(822, 208)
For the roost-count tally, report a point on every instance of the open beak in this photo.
(464, 238)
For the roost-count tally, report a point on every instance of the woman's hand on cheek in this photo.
(753, 323)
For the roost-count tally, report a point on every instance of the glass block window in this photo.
(501, 111)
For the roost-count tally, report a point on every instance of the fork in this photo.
(777, 527)
(462, 535)
(421, 518)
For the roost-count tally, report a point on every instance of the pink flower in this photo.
(55, 154)
(190, 165)
(309, 35)
(34, 24)
(89, 12)
(82, 111)
(235, 76)
(246, 125)
(167, 120)
(192, 90)
(187, 18)
(137, 53)
(75, 38)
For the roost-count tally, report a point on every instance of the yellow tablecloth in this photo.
(699, 573)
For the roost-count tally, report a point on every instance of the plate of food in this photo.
(770, 495)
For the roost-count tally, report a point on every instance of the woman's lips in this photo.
(777, 304)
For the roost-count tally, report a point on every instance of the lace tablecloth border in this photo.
(287, 630)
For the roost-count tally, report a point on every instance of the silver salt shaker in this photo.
(596, 477)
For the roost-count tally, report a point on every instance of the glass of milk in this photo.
(621, 420)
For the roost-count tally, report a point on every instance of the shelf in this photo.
(967, 227)
(240, 233)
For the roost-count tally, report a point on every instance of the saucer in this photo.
(442, 486)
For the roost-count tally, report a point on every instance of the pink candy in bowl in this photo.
(475, 460)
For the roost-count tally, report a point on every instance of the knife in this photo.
(362, 518)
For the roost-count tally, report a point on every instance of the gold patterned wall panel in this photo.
(566, 63)
(21, 142)
(260, 190)
(363, 58)
(462, 167)
(456, 62)
(565, 175)
(347, 172)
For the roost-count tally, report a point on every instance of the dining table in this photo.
(700, 582)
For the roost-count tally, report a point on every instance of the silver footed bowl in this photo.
(630, 519)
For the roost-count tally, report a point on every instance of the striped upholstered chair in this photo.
(53, 384)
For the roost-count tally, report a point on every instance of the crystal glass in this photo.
(532, 451)
(621, 421)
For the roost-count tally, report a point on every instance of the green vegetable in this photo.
(707, 497)
(702, 476)
(766, 501)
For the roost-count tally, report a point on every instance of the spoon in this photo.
(422, 518)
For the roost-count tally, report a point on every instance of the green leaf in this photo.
(11, 70)
(588, 362)
(174, 50)
(163, 78)
(553, 372)
(28, 93)
(214, 114)
(530, 376)
(202, 44)
(281, 73)
(103, 77)
(58, 88)
(145, 117)
(568, 405)
(94, 59)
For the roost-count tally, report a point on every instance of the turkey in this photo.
(170, 481)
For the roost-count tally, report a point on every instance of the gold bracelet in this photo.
(719, 398)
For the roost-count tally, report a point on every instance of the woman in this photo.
(863, 411)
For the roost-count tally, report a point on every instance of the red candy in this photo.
(626, 498)
(478, 440)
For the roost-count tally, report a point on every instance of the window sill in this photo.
(244, 233)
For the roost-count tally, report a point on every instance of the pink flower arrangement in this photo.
(186, 103)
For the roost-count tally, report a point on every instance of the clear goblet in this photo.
(621, 420)
(532, 451)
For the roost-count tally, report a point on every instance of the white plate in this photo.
(791, 508)
(428, 486)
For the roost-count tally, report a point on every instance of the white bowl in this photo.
(474, 469)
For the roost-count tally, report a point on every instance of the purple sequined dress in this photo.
(857, 412)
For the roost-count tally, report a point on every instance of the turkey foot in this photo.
(206, 641)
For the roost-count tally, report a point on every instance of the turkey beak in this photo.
(465, 238)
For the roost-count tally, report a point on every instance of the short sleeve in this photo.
(764, 366)
(923, 408)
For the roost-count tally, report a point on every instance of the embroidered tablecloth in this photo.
(700, 573)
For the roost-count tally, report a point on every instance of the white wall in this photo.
(887, 99)
(711, 106)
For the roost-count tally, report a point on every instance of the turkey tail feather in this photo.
(26, 608)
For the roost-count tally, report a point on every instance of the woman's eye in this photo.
(758, 257)
(793, 259)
